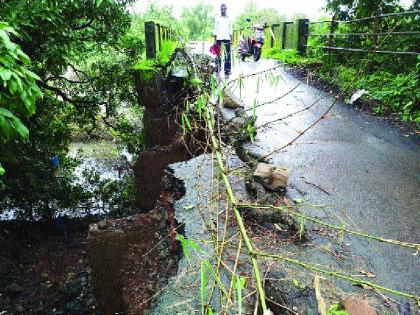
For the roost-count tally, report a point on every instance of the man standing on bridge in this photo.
(223, 32)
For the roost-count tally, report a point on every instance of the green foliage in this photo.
(17, 86)
(83, 55)
(287, 56)
(398, 93)
(345, 9)
(187, 245)
(197, 21)
(239, 285)
(163, 15)
(166, 51)
(148, 67)
(336, 309)
(130, 134)
(256, 15)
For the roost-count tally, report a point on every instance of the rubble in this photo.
(273, 178)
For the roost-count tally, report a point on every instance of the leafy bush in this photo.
(84, 60)
(288, 56)
(397, 93)
(400, 93)
(18, 88)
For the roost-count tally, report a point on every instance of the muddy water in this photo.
(105, 157)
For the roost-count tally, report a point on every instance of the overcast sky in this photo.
(312, 8)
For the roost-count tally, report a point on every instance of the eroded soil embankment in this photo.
(163, 100)
(132, 258)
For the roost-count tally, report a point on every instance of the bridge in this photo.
(330, 231)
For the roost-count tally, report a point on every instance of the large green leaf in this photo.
(32, 75)
(5, 74)
(98, 3)
(11, 125)
(4, 38)
(2, 171)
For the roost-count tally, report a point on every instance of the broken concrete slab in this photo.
(273, 178)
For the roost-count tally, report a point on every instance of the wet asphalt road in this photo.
(364, 170)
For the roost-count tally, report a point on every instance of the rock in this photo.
(230, 100)
(281, 290)
(240, 112)
(355, 306)
(102, 224)
(256, 191)
(271, 177)
(235, 125)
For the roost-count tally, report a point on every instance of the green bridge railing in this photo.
(155, 35)
(284, 35)
(295, 35)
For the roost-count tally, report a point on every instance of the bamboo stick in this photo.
(334, 227)
(238, 217)
(337, 275)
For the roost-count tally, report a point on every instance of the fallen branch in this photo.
(304, 131)
(232, 202)
(294, 113)
(295, 213)
(276, 99)
(336, 274)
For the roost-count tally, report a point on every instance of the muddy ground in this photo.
(44, 268)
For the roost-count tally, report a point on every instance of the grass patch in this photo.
(148, 67)
(287, 56)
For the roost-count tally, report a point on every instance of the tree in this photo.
(61, 37)
(252, 12)
(18, 89)
(350, 9)
(198, 21)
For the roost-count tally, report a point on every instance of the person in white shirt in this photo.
(223, 32)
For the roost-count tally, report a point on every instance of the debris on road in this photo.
(271, 177)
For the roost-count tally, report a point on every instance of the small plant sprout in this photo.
(185, 124)
(240, 84)
(239, 284)
(187, 245)
(254, 110)
(301, 227)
